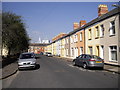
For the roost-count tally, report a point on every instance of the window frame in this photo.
(102, 29)
(81, 36)
(112, 49)
(112, 27)
(89, 34)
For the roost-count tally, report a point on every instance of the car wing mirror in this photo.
(77, 57)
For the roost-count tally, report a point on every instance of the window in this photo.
(67, 51)
(72, 52)
(113, 53)
(75, 38)
(89, 34)
(102, 52)
(96, 32)
(112, 28)
(97, 51)
(90, 50)
(67, 40)
(101, 30)
(81, 50)
(71, 39)
(80, 36)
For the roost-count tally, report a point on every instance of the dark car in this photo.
(86, 61)
(41, 53)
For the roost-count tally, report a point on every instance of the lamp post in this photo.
(115, 5)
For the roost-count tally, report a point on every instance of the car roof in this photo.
(27, 53)
(90, 55)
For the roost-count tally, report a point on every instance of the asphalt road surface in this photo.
(54, 72)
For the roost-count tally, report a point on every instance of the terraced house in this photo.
(100, 37)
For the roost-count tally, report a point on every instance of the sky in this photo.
(48, 19)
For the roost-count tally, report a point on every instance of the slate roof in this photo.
(96, 20)
(38, 44)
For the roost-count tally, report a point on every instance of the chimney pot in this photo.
(75, 25)
(102, 9)
(82, 23)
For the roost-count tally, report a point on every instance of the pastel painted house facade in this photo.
(102, 36)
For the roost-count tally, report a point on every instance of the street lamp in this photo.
(115, 5)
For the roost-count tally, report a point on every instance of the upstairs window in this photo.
(66, 40)
(89, 34)
(71, 39)
(102, 30)
(112, 28)
(96, 32)
(75, 38)
(80, 36)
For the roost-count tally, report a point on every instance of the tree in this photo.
(14, 35)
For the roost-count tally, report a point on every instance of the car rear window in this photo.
(95, 57)
(26, 56)
(49, 53)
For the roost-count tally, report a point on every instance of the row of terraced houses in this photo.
(100, 37)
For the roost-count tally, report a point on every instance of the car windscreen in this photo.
(26, 56)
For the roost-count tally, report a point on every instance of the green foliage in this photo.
(14, 35)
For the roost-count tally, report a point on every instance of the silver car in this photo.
(27, 60)
(49, 54)
(86, 60)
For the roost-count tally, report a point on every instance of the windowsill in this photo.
(113, 61)
(96, 37)
(102, 37)
(111, 35)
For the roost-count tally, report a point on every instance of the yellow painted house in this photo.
(92, 39)
(63, 47)
(48, 48)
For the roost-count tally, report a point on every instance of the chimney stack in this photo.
(75, 25)
(82, 23)
(102, 9)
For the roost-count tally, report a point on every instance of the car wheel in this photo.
(74, 64)
(84, 65)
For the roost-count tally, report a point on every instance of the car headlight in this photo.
(33, 62)
(20, 63)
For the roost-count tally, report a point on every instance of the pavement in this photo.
(107, 67)
(12, 68)
(9, 70)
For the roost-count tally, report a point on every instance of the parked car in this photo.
(45, 53)
(41, 53)
(86, 61)
(49, 54)
(27, 60)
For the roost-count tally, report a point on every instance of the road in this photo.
(54, 72)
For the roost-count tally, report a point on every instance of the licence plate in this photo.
(98, 61)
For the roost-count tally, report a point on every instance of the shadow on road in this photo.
(37, 66)
(91, 68)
